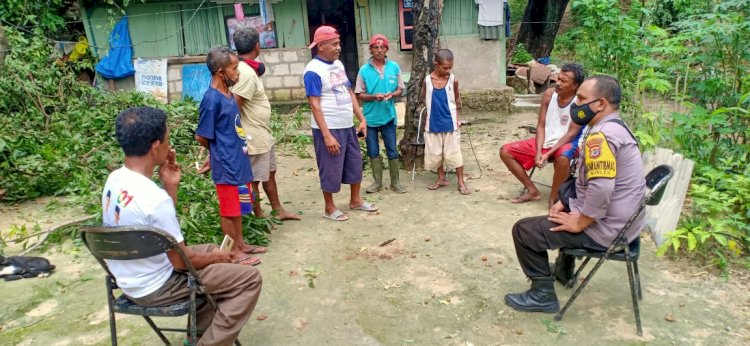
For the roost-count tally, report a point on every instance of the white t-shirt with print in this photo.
(328, 80)
(129, 199)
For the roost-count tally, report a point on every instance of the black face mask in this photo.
(230, 83)
(582, 114)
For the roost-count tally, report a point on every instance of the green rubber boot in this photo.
(395, 184)
(377, 174)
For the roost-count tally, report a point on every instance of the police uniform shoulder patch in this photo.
(600, 160)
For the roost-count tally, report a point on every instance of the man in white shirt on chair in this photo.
(131, 198)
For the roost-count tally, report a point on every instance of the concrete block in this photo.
(291, 81)
(273, 82)
(282, 95)
(489, 100)
(175, 86)
(269, 57)
(298, 94)
(280, 70)
(289, 56)
(174, 73)
(297, 68)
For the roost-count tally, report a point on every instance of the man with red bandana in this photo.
(378, 83)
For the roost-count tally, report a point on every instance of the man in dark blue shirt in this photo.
(220, 130)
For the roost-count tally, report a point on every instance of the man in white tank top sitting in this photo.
(556, 137)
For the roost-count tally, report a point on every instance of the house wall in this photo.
(161, 29)
(476, 65)
(459, 18)
(282, 80)
(160, 20)
(477, 61)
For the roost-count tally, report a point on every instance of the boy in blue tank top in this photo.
(442, 136)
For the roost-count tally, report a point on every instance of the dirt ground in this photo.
(440, 282)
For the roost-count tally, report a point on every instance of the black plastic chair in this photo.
(136, 242)
(620, 250)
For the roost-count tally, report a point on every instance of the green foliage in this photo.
(47, 15)
(287, 131)
(666, 12)
(694, 52)
(711, 135)
(720, 216)
(517, 10)
(57, 138)
(715, 46)
(606, 40)
(521, 55)
(16, 234)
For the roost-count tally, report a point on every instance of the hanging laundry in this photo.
(119, 62)
(239, 12)
(506, 10)
(266, 11)
(490, 19)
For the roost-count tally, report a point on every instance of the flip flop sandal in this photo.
(254, 261)
(464, 190)
(436, 186)
(256, 250)
(366, 207)
(337, 215)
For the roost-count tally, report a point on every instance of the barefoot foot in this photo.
(527, 197)
(286, 215)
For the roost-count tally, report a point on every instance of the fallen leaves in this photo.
(312, 273)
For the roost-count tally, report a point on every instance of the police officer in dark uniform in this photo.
(609, 187)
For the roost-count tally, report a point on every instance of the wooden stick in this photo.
(48, 231)
(387, 242)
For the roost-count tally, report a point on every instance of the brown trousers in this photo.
(235, 287)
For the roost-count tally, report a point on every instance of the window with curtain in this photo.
(406, 23)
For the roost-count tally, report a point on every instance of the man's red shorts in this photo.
(235, 200)
(525, 152)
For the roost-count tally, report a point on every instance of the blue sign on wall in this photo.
(195, 81)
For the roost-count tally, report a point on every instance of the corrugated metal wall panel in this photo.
(459, 18)
(157, 35)
(384, 18)
(204, 31)
(290, 24)
(155, 26)
(154, 34)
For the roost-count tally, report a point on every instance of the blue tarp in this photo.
(119, 62)
(195, 81)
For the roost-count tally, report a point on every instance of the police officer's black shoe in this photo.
(564, 270)
(540, 298)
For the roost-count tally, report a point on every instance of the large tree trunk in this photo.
(540, 24)
(426, 22)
